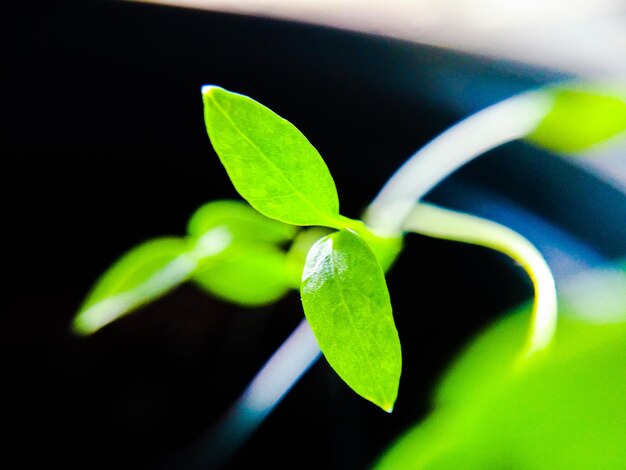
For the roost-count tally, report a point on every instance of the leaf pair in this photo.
(344, 293)
(231, 252)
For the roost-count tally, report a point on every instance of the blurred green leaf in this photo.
(580, 118)
(243, 223)
(271, 164)
(564, 408)
(143, 274)
(249, 275)
(345, 300)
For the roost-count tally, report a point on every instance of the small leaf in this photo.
(270, 163)
(580, 118)
(143, 274)
(345, 299)
(249, 275)
(242, 222)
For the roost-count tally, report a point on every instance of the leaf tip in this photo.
(388, 403)
(210, 92)
(207, 89)
(80, 326)
(388, 407)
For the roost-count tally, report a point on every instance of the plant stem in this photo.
(433, 221)
(394, 206)
(394, 209)
(503, 122)
(284, 368)
(387, 216)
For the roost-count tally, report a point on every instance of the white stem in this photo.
(267, 389)
(503, 122)
(281, 372)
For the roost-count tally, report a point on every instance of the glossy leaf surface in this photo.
(299, 249)
(270, 163)
(345, 300)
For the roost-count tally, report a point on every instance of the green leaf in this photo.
(580, 118)
(248, 275)
(564, 408)
(345, 300)
(243, 223)
(270, 163)
(143, 274)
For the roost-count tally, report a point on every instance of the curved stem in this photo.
(493, 126)
(434, 221)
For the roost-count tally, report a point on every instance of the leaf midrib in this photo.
(351, 321)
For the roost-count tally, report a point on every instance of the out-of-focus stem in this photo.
(428, 219)
(284, 368)
(394, 209)
(503, 122)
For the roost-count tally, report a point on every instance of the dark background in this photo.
(103, 146)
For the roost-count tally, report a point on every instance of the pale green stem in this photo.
(504, 122)
(433, 221)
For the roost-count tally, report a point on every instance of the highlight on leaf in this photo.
(299, 249)
(346, 302)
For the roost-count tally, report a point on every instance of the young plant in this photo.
(234, 250)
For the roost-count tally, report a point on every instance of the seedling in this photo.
(235, 250)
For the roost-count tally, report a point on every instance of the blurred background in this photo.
(104, 146)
